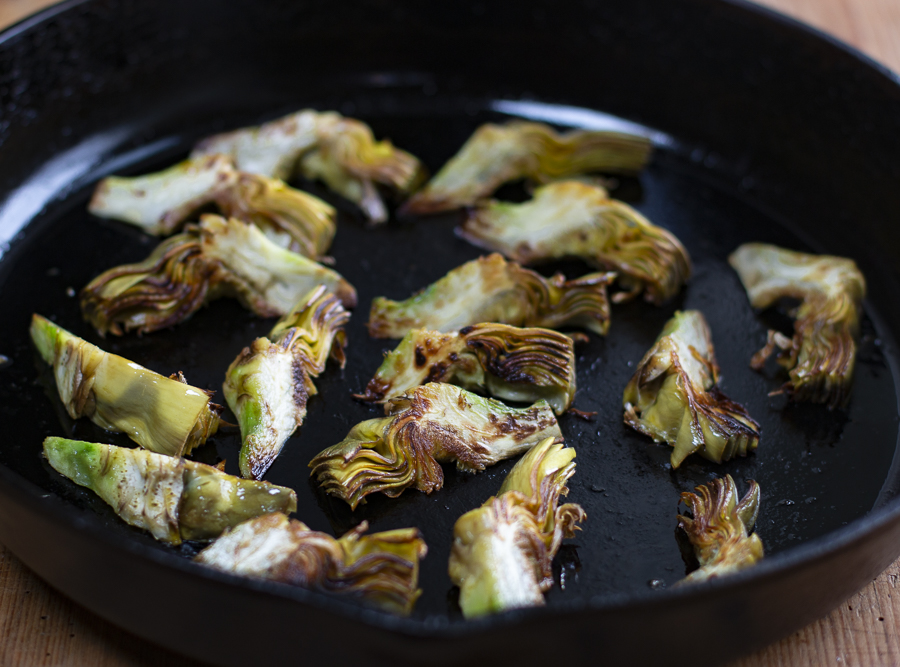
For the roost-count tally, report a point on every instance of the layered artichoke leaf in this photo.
(497, 154)
(340, 151)
(216, 258)
(164, 415)
(381, 568)
(268, 384)
(502, 552)
(503, 361)
(821, 355)
(577, 219)
(431, 424)
(491, 289)
(172, 498)
(719, 528)
(673, 397)
(159, 203)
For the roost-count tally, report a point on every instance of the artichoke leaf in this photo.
(576, 219)
(164, 415)
(172, 498)
(268, 384)
(719, 528)
(340, 151)
(497, 154)
(503, 361)
(381, 568)
(429, 425)
(502, 552)
(821, 356)
(490, 289)
(218, 257)
(672, 396)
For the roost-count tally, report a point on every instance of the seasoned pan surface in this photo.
(716, 182)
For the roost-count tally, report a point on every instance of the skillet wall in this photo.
(798, 113)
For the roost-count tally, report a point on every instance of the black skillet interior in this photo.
(754, 145)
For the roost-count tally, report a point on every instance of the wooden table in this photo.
(40, 627)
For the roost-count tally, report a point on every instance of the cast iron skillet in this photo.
(765, 131)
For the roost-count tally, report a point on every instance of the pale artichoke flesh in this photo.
(170, 497)
(672, 396)
(218, 257)
(497, 154)
(502, 552)
(268, 384)
(719, 528)
(432, 423)
(381, 568)
(490, 289)
(821, 356)
(505, 362)
(340, 151)
(576, 219)
(164, 415)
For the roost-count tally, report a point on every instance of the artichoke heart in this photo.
(503, 361)
(490, 289)
(218, 257)
(432, 423)
(159, 203)
(172, 498)
(497, 154)
(575, 219)
(268, 384)
(381, 568)
(164, 415)
(821, 356)
(502, 552)
(719, 528)
(673, 398)
(340, 151)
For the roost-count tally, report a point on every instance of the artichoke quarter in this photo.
(719, 528)
(503, 361)
(268, 384)
(673, 396)
(159, 203)
(497, 154)
(502, 552)
(575, 219)
(164, 415)
(381, 568)
(216, 258)
(172, 498)
(821, 356)
(490, 289)
(432, 423)
(340, 151)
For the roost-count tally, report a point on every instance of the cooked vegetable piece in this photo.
(821, 355)
(490, 289)
(497, 154)
(159, 203)
(432, 423)
(172, 498)
(505, 362)
(268, 384)
(382, 568)
(216, 258)
(340, 151)
(164, 415)
(502, 552)
(576, 219)
(673, 396)
(719, 528)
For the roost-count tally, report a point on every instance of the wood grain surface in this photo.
(40, 627)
